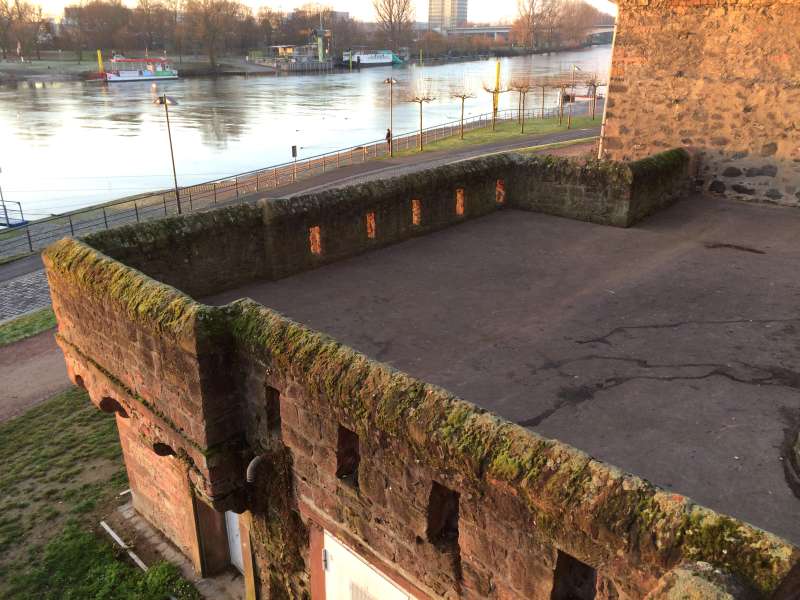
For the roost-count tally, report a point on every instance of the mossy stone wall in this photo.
(522, 497)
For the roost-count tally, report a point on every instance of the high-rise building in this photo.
(446, 14)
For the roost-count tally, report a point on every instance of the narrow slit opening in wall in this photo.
(347, 456)
(315, 240)
(573, 579)
(443, 517)
(370, 222)
(460, 201)
(109, 405)
(162, 449)
(500, 192)
(272, 397)
(416, 212)
(79, 382)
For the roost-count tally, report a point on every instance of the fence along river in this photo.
(72, 145)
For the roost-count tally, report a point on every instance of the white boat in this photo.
(139, 69)
(378, 58)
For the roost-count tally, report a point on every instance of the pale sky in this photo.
(479, 10)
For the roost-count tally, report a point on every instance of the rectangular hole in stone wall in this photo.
(416, 212)
(347, 456)
(273, 409)
(371, 230)
(315, 240)
(443, 517)
(460, 201)
(500, 192)
(573, 580)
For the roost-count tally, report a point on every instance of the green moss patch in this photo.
(145, 301)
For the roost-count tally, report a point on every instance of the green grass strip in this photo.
(27, 326)
(505, 130)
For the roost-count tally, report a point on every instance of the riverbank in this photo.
(86, 70)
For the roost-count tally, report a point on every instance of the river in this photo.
(65, 145)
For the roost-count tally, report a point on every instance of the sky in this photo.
(492, 11)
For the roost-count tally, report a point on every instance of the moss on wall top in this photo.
(161, 234)
(564, 488)
(657, 166)
(157, 306)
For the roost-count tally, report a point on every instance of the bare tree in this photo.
(463, 92)
(421, 96)
(523, 87)
(394, 20)
(529, 13)
(209, 21)
(592, 83)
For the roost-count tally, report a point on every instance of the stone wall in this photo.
(608, 193)
(125, 335)
(521, 499)
(719, 76)
(206, 253)
(446, 498)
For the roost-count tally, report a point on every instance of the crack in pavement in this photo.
(574, 396)
(603, 339)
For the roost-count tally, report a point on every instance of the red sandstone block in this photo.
(295, 441)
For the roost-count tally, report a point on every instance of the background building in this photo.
(447, 14)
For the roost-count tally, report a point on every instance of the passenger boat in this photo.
(139, 69)
(378, 58)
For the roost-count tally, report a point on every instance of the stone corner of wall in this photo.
(700, 581)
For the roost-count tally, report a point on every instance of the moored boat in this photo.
(365, 58)
(139, 69)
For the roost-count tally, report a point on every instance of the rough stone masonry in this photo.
(237, 408)
(720, 76)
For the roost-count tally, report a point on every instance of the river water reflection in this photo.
(71, 144)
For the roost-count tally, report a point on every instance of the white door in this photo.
(234, 540)
(348, 577)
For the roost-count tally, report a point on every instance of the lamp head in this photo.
(165, 100)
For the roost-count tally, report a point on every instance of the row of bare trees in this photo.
(566, 84)
(215, 27)
(182, 26)
(551, 23)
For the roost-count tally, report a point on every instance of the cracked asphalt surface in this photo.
(670, 349)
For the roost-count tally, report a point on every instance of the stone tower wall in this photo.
(720, 76)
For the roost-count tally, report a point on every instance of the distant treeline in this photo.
(229, 27)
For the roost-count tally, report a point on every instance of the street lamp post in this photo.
(391, 83)
(166, 101)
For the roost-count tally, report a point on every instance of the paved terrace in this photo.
(669, 349)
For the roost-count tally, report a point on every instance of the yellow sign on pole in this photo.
(496, 95)
(100, 62)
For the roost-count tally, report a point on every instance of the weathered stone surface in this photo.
(733, 66)
(699, 581)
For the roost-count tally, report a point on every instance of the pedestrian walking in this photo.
(389, 141)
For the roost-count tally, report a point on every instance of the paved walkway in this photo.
(23, 285)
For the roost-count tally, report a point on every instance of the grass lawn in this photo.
(4, 260)
(505, 130)
(27, 326)
(61, 470)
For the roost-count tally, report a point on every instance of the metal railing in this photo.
(36, 235)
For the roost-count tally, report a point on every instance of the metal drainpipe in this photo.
(251, 468)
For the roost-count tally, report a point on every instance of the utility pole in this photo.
(391, 83)
(165, 100)
(572, 96)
